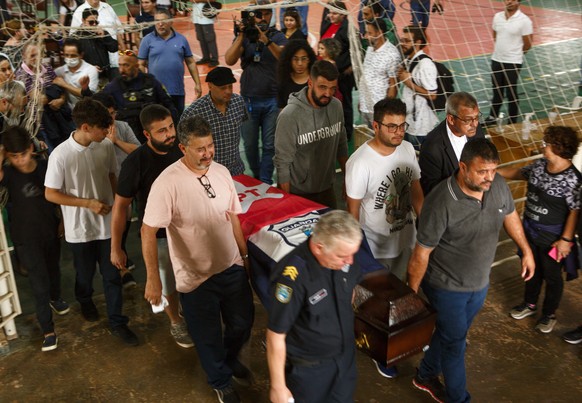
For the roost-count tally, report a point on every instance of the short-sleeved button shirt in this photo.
(311, 304)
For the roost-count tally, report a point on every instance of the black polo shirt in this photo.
(464, 232)
(312, 305)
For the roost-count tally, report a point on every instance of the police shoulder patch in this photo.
(283, 293)
(291, 272)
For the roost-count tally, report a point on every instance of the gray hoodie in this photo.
(308, 142)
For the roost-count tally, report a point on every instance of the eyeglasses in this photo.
(93, 22)
(469, 121)
(303, 59)
(127, 52)
(205, 182)
(392, 128)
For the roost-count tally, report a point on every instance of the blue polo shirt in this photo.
(165, 59)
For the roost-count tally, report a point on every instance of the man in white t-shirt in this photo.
(196, 201)
(512, 33)
(384, 194)
(81, 178)
(379, 73)
(419, 79)
(107, 19)
(383, 188)
(76, 72)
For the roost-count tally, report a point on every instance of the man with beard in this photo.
(310, 137)
(196, 201)
(378, 79)
(440, 153)
(134, 90)
(138, 172)
(456, 242)
(258, 55)
(419, 78)
(225, 112)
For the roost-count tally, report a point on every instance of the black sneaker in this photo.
(125, 334)
(241, 374)
(213, 63)
(432, 386)
(203, 61)
(573, 336)
(128, 281)
(89, 311)
(227, 395)
(59, 306)
(50, 343)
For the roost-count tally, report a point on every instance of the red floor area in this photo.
(464, 30)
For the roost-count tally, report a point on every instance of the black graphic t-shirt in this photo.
(31, 216)
(550, 197)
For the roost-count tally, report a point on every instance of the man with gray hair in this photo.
(12, 103)
(196, 201)
(441, 151)
(311, 321)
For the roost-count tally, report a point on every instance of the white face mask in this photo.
(73, 62)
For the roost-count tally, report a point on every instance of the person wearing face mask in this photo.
(76, 73)
(381, 63)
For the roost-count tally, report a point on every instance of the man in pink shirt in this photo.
(196, 201)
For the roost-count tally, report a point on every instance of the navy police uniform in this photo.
(312, 305)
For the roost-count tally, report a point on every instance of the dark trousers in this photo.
(86, 256)
(346, 85)
(446, 354)
(549, 270)
(333, 380)
(178, 101)
(227, 295)
(420, 12)
(504, 77)
(41, 258)
(207, 38)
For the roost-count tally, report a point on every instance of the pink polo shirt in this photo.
(200, 235)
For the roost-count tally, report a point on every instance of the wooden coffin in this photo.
(391, 321)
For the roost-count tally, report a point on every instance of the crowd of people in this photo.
(428, 196)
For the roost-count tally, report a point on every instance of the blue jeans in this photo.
(225, 295)
(86, 255)
(263, 114)
(446, 354)
(420, 12)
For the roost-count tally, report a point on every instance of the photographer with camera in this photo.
(258, 47)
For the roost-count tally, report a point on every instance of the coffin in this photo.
(392, 322)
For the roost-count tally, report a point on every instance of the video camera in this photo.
(249, 28)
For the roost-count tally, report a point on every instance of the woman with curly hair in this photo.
(550, 218)
(295, 62)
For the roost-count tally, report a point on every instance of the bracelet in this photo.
(563, 238)
(245, 256)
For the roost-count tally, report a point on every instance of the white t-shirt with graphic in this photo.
(383, 183)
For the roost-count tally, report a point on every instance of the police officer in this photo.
(134, 90)
(310, 335)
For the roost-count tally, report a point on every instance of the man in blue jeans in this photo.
(456, 243)
(258, 53)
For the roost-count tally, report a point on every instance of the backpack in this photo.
(445, 82)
